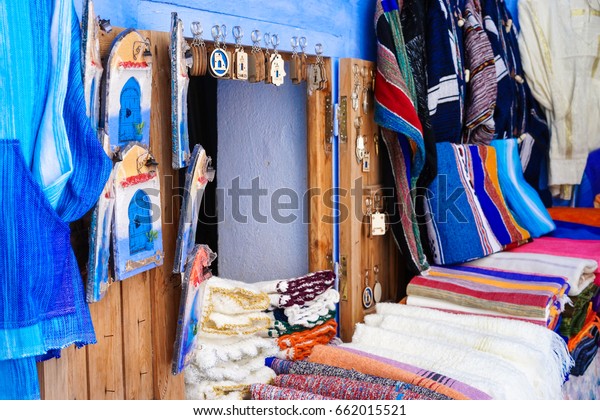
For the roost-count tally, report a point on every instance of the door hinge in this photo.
(341, 117)
(329, 123)
(343, 277)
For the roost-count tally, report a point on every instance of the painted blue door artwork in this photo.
(140, 223)
(130, 115)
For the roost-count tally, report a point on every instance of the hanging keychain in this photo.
(256, 60)
(377, 290)
(321, 66)
(278, 74)
(240, 57)
(219, 59)
(366, 103)
(295, 63)
(378, 219)
(303, 59)
(367, 296)
(267, 61)
(200, 64)
(360, 140)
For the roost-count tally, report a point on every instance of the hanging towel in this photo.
(522, 199)
(401, 129)
(578, 272)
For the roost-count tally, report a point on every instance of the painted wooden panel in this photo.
(360, 253)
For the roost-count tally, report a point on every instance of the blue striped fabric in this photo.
(42, 302)
(522, 199)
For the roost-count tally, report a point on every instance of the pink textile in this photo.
(576, 248)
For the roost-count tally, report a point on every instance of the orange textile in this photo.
(584, 216)
(299, 345)
(332, 356)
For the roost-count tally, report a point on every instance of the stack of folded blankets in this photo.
(580, 323)
(232, 341)
(303, 312)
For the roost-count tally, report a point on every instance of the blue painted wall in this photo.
(262, 129)
(344, 27)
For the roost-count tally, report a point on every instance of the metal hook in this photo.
(196, 28)
(267, 39)
(216, 33)
(238, 33)
(275, 40)
(256, 36)
(302, 43)
(319, 49)
(223, 33)
(294, 42)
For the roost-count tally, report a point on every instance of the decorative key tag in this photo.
(360, 140)
(367, 296)
(321, 66)
(313, 78)
(376, 143)
(366, 91)
(240, 60)
(277, 64)
(255, 59)
(219, 59)
(366, 162)
(295, 63)
(356, 90)
(378, 224)
(377, 291)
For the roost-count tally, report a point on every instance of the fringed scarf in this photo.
(395, 112)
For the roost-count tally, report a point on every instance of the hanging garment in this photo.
(446, 69)
(522, 199)
(401, 129)
(481, 84)
(285, 367)
(559, 47)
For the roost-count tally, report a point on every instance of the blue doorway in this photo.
(130, 115)
(140, 223)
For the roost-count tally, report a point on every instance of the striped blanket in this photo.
(504, 292)
(466, 203)
(370, 364)
(401, 129)
(270, 392)
(578, 272)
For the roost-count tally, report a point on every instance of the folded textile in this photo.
(214, 352)
(574, 316)
(582, 216)
(231, 308)
(526, 355)
(345, 358)
(310, 312)
(522, 295)
(282, 367)
(492, 374)
(522, 199)
(572, 230)
(585, 352)
(297, 291)
(224, 390)
(465, 201)
(270, 392)
(564, 247)
(236, 372)
(341, 388)
(579, 272)
(299, 345)
(457, 309)
(282, 327)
